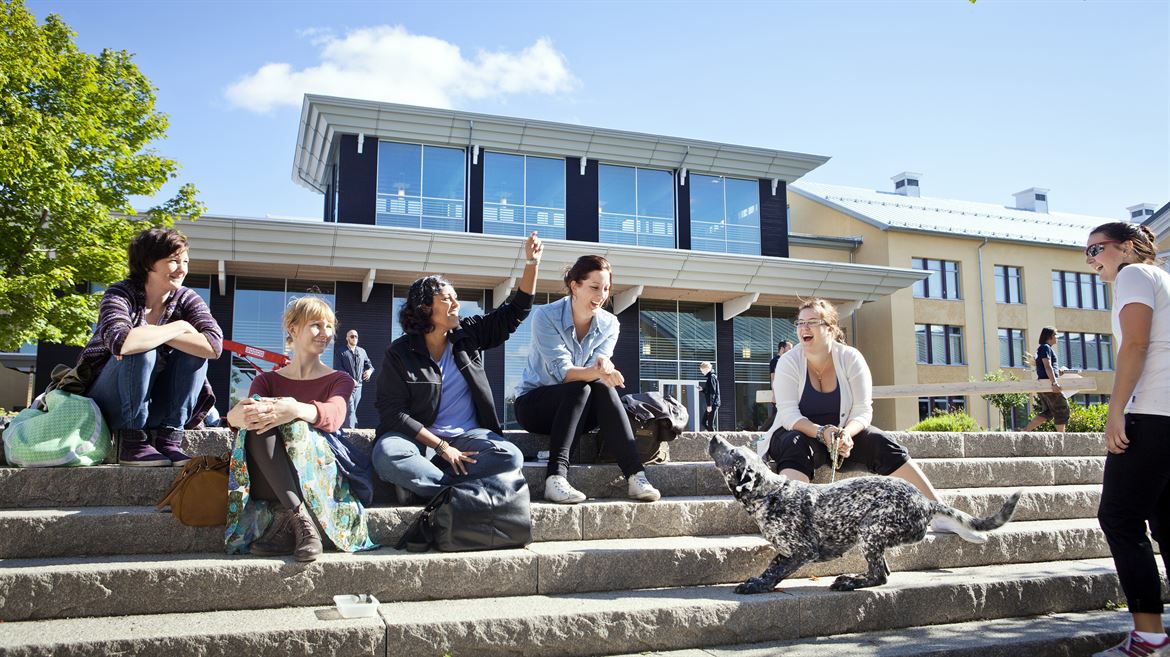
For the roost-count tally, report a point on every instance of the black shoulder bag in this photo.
(488, 513)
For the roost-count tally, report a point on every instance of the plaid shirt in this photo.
(123, 308)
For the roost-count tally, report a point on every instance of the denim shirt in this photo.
(555, 348)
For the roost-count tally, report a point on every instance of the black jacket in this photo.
(710, 389)
(410, 384)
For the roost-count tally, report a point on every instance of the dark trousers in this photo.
(871, 448)
(709, 418)
(567, 410)
(1136, 491)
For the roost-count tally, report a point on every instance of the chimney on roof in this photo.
(1142, 211)
(906, 183)
(1033, 198)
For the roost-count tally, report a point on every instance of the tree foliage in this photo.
(1006, 401)
(75, 135)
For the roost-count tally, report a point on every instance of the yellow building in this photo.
(999, 273)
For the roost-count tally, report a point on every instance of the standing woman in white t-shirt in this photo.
(1136, 487)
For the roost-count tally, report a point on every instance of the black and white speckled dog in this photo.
(808, 523)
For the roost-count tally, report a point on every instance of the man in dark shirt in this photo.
(782, 348)
(354, 361)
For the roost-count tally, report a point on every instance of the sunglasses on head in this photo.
(1094, 250)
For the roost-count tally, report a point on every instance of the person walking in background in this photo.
(1053, 405)
(782, 348)
(710, 390)
(1135, 489)
(353, 360)
(149, 351)
(569, 383)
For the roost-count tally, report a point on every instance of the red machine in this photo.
(248, 352)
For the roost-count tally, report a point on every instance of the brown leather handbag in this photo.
(198, 495)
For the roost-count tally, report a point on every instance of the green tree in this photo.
(1005, 402)
(75, 135)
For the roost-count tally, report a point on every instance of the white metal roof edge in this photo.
(361, 247)
(317, 111)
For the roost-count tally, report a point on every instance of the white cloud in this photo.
(388, 63)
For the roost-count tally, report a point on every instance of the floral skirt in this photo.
(323, 487)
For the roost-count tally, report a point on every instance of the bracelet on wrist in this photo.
(442, 446)
(532, 261)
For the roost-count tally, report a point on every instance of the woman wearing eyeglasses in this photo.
(824, 400)
(1136, 486)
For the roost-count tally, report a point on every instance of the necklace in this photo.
(820, 374)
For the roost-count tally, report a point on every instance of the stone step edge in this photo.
(1050, 635)
(567, 624)
(188, 583)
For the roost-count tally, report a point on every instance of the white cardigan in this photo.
(853, 377)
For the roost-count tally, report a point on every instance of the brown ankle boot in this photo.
(278, 540)
(308, 540)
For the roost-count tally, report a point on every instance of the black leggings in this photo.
(567, 410)
(871, 448)
(271, 472)
(1136, 490)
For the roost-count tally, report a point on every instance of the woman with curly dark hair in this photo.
(433, 391)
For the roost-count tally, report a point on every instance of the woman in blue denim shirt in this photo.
(569, 384)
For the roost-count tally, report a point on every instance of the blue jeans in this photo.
(138, 393)
(399, 460)
(354, 400)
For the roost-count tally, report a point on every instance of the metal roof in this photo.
(888, 210)
(352, 252)
(324, 117)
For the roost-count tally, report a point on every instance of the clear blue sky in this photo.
(983, 99)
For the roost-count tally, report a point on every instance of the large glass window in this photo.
(1011, 347)
(939, 344)
(259, 308)
(516, 358)
(636, 206)
(1085, 351)
(674, 337)
(1079, 290)
(725, 214)
(421, 186)
(1008, 285)
(756, 332)
(943, 282)
(523, 193)
(928, 406)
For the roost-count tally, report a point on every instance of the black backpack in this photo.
(488, 513)
(656, 419)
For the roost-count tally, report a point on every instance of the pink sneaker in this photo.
(1135, 646)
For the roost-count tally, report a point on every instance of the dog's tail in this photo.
(994, 521)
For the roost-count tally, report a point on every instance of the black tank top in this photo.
(820, 407)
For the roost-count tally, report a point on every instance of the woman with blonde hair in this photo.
(824, 400)
(288, 475)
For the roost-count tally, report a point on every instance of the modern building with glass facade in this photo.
(697, 232)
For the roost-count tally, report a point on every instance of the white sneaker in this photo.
(639, 488)
(948, 525)
(557, 489)
(1135, 645)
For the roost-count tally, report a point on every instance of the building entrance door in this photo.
(686, 392)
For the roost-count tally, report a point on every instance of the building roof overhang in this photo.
(323, 118)
(352, 252)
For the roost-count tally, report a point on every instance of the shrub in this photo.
(1007, 401)
(953, 421)
(1082, 419)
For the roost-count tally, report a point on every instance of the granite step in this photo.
(138, 584)
(40, 533)
(692, 446)
(1051, 635)
(117, 486)
(577, 624)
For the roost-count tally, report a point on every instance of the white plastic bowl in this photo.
(356, 606)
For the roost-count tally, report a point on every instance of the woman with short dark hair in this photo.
(1053, 405)
(433, 391)
(148, 355)
(1135, 490)
(568, 385)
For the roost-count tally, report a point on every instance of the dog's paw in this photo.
(846, 583)
(754, 585)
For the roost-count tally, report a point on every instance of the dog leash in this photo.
(834, 454)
